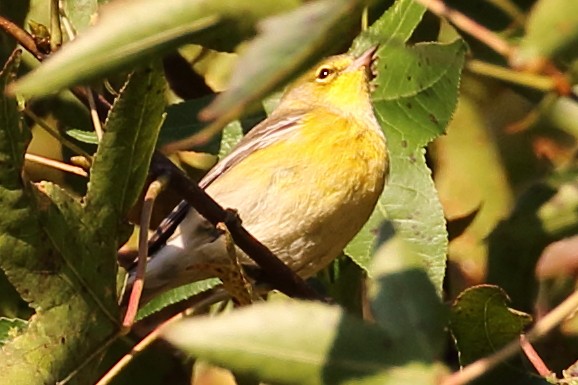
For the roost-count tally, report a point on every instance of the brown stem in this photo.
(469, 26)
(276, 273)
(150, 197)
(22, 37)
(27, 42)
(534, 357)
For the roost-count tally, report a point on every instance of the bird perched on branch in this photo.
(304, 181)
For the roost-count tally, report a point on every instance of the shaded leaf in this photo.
(545, 213)
(70, 320)
(277, 342)
(182, 122)
(471, 177)
(344, 282)
(482, 323)
(404, 301)
(457, 226)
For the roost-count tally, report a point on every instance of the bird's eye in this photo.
(324, 73)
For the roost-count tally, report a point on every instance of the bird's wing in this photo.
(262, 135)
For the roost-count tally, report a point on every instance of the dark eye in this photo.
(324, 73)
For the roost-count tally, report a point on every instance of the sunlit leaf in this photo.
(286, 44)
(9, 328)
(416, 94)
(128, 32)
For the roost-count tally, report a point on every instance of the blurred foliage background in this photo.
(505, 171)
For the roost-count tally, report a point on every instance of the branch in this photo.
(22, 37)
(277, 274)
(27, 41)
(501, 46)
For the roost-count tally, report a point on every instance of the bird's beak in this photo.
(364, 60)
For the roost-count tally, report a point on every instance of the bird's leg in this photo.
(231, 272)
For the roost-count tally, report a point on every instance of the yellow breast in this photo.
(306, 196)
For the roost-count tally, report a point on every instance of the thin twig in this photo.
(55, 164)
(469, 26)
(542, 327)
(534, 357)
(538, 82)
(22, 37)
(55, 134)
(55, 28)
(28, 43)
(494, 41)
(152, 336)
(94, 115)
(151, 195)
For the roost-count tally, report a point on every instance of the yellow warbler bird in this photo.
(304, 181)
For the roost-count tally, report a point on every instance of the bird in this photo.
(303, 181)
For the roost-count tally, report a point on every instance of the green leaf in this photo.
(551, 28)
(404, 301)
(10, 327)
(72, 319)
(232, 134)
(175, 295)
(128, 32)
(181, 122)
(482, 323)
(414, 106)
(344, 282)
(279, 343)
(83, 136)
(395, 25)
(417, 88)
(286, 45)
(122, 160)
(67, 267)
